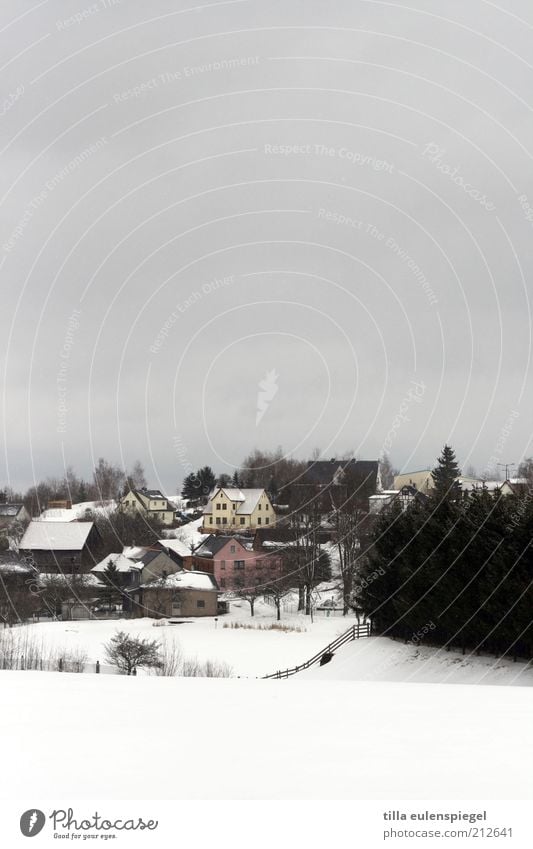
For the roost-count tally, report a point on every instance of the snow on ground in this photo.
(114, 737)
(383, 659)
(188, 534)
(77, 511)
(257, 652)
(249, 652)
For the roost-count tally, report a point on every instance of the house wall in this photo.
(171, 602)
(230, 519)
(231, 577)
(157, 568)
(151, 507)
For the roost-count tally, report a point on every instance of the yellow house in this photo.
(235, 509)
(151, 502)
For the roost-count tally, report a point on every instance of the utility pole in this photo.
(506, 466)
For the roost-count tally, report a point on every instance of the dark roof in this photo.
(10, 509)
(321, 472)
(213, 544)
(151, 493)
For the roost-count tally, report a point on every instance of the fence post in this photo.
(97, 668)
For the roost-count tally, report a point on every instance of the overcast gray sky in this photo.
(251, 223)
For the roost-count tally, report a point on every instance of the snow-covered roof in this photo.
(134, 552)
(55, 536)
(177, 546)
(86, 580)
(184, 580)
(122, 563)
(246, 498)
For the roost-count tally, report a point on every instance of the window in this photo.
(259, 507)
(222, 564)
(243, 520)
(200, 603)
(267, 506)
(224, 521)
(218, 520)
(224, 506)
(238, 564)
(222, 583)
(218, 506)
(232, 549)
(259, 521)
(267, 521)
(234, 506)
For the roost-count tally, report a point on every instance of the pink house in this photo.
(234, 564)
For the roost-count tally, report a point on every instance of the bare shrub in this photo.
(193, 668)
(171, 658)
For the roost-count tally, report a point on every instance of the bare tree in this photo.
(136, 478)
(108, 480)
(387, 472)
(129, 653)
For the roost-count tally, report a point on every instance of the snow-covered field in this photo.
(257, 652)
(357, 728)
(251, 653)
(113, 737)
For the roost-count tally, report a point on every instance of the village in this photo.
(299, 550)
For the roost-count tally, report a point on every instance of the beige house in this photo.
(235, 509)
(183, 593)
(151, 502)
(421, 480)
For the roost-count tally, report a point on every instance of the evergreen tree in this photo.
(445, 475)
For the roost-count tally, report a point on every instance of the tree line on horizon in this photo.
(459, 570)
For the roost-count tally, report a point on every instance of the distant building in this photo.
(150, 502)
(11, 514)
(420, 480)
(183, 593)
(64, 547)
(137, 565)
(233, 509)
(234, 563)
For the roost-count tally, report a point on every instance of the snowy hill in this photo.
(239, 739)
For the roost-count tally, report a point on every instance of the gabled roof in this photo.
(122, 563)
(246, 498)
(215, 543)
(323, 472)
(185, 580)
(177, 546)
(56, 536)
